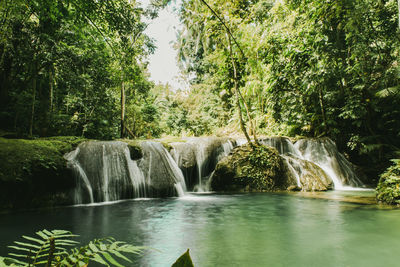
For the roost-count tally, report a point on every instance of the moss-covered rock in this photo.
(134, 148)
(33, 173)
(388, 190)
(248, 169)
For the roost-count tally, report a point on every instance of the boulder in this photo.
(33, 173)
(306, 175)
(198, 156)
(247, 169)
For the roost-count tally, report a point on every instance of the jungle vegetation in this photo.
(303, 68)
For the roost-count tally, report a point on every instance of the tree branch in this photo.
(226, 27)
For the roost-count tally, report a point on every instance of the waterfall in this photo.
(324, 153)
(227, 147)
(282, 144)
(83, 185)
(106, 172)
(184, 154)
(307, 175)
(197, 158)
(314, 164)
(241, 141)
(162, 174)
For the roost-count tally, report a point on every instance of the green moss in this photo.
(388, 190)
(33, 172)
(166, 141)
(135, 149)
(247, 169)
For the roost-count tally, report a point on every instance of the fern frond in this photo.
(51, 247)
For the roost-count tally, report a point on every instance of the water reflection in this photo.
(231, 230)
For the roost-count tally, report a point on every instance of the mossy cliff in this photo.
(250, 169)
(388, 190)
(33, 173)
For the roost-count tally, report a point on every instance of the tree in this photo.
(68, 60)
(312, 68)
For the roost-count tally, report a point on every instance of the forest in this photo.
(291, 105)
(302, 68)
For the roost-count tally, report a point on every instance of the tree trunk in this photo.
(321, 103)
(237, 93)
(51, 89)
(33, 103)
(398, 5)
(122, 109)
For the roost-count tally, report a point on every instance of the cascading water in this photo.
(226, 149)
(106, 172)
(162, 174)
(282, 144)
(324, 153)
(82, 185)
(197, 158)
(184, 155)
(315, 164)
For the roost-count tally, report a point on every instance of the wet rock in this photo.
(293, 188)
(160, 170)
(247, 169)
(323, 151)
(197, 157)
(306, 175)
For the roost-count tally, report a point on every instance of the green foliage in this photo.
(51, 248)
(313, 68)
(260, 167)
(257, 168)
(388, 190)
(34, 172)
(198, 112)
(184, 261)
(63, 64)
(38, 251)
(19, 157)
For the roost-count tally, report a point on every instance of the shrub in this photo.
(388, 190)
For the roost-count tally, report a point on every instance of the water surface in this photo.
(232, 230)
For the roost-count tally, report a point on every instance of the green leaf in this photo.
(116, 253)
(93, 247)
(42, 235)
(69, 235)
(27, 244)
(111, 259)
(12, 260)
(17, 255)
(47, 232)
(184, 261)
(61, 232)
(24, 249)
(99, 259)
(102, 246)
(34, 239)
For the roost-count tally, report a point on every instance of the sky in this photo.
(163, 66)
